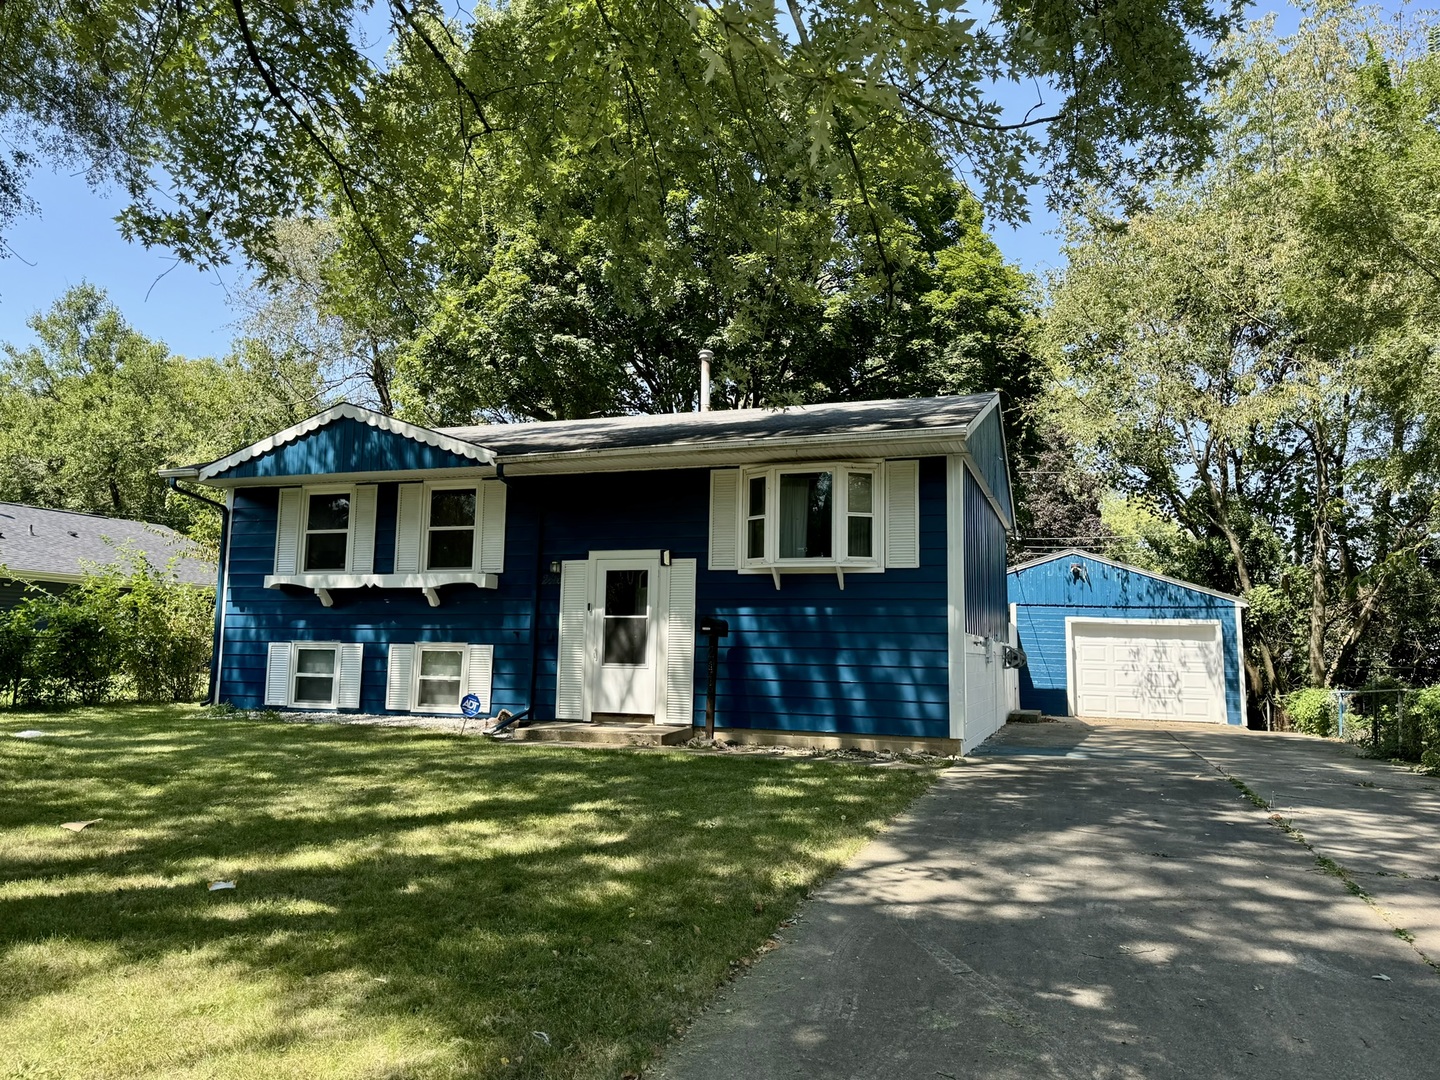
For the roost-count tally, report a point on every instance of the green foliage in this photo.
(1312, 711)
(126, 628)
(256, 111)
(1250, 354)
(94, 408)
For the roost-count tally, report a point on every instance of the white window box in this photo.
(427, 581)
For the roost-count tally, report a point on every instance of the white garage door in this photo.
(1163, 670)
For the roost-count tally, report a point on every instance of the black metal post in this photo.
(710, 687)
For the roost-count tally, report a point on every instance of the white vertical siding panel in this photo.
(351, 656)
(492, 527)
(479, 675)
(679, 689)
(277, 673)
(724, 519)
(409, 511)
(902, 514)
(399, 676)
(362, 551)
(570, 656)
(287, 532)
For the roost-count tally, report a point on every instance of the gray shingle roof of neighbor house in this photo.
(903, 416)
(53, 545)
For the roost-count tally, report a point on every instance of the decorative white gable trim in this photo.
(343, 411)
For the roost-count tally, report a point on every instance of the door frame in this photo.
(1220, 708)
(594, 630)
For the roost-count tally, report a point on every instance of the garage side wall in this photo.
(1048, 593)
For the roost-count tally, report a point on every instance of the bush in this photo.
(1422, 709)
(127, 621)
(1312, 711)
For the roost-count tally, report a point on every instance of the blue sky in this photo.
(74, 238)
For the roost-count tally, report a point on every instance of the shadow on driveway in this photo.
(1094, 900)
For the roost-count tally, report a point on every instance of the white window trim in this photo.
(771, 563)
(476, 526)
(296, 673)
(421, 648)
(305, 530)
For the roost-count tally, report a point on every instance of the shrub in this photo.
(1423, 711)
(127, 620)
(1312, 710)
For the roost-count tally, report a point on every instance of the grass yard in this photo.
(408, 903)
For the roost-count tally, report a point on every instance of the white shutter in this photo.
(277, 673)
(680, 644)
(362, 557)
(492, 527)
(398, 678)
(287, 532)
(352, 654)
(902, 514)
(408, 525)
(479, 674)
(725, 519)
(570, 654)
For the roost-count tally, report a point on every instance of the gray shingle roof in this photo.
(52, 545)
(903, 415)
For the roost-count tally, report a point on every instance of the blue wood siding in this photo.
(987, 612)
(255, 616)
(869, 660)
(986, 442)
(1046, 594)
(346, 446)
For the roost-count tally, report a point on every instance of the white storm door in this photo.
(624, 636)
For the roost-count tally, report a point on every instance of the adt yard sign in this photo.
(470, 705)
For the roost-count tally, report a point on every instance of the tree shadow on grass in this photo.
(489, 890)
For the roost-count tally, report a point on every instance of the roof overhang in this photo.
(931, 442)
(1071, 553)
(345, 411)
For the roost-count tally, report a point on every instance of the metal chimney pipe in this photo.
(705, 357)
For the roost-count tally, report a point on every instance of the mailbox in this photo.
(716, 628)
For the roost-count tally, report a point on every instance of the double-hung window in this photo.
(810, 515)
(440, 677)
(326, 543)
(313, 682)
(450, 529)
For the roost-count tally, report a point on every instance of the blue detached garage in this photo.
(1105, 639)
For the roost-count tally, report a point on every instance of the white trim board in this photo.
(344, 411)
(1223, 704)
(1077, 552)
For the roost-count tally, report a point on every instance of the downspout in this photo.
(213, 692)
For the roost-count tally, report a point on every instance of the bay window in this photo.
(810, 515)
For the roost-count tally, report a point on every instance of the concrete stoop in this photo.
(561, 731)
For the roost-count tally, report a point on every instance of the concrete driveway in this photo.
(1099, 900)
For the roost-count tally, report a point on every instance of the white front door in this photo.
(624, 636)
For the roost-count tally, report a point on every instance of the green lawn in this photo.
(409, 903)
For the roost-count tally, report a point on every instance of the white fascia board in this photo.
(400, 475)
(975, 474)
(932, 442)
(1078, 552)
(343, 411)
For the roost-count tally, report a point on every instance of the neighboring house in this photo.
(1104, 639)
(856, 550)
(50, 549)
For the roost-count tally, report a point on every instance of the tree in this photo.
(1253, 356)
(220, 116)
(523, 328)
(94, 408)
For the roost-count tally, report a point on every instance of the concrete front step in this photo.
(605, 734)
(1024, 716)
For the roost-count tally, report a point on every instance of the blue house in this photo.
(857, 552)
(1105, 639)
